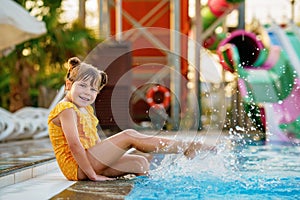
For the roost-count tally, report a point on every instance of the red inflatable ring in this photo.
(158, 88)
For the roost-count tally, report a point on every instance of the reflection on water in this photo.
(251, 172)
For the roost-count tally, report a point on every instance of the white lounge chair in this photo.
(28, 122)
(7, 125)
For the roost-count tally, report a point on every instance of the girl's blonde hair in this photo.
(82, 71)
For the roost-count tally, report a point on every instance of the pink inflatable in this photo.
(289, 108)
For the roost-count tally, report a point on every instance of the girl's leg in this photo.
(108, 152)
(128, 164)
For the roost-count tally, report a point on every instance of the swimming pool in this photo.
(241, 172)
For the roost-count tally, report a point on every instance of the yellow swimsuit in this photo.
(88, 138)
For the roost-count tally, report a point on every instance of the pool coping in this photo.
(28, 172)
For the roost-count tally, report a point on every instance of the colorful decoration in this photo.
(265, 76)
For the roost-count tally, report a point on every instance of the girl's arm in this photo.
(68, 119)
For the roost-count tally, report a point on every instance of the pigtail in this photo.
(104, 79)
(72, 63)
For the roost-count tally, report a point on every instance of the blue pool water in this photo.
(241, 172)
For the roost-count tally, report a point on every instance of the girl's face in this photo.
(82, 93)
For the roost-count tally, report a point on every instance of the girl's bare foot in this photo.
(196, 147)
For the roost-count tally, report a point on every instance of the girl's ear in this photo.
(68, 84)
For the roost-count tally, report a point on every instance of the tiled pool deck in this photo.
(28, 169)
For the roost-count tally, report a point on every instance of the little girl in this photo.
(80, 153)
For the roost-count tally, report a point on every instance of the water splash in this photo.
(236, 171)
